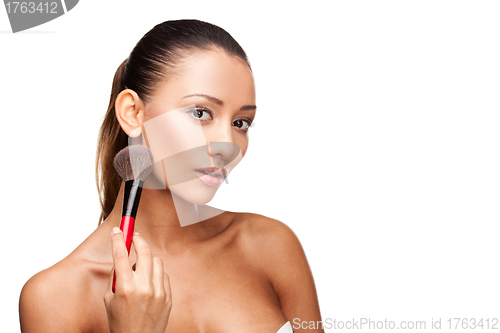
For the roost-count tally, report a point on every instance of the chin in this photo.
(194, 191)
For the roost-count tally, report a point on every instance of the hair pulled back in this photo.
(150, 62)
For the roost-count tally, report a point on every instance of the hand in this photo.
(142, 299)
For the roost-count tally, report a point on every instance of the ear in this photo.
(129, 112)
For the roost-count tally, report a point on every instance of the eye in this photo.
(242, 124)
(201, 114)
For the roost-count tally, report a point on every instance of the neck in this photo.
(167, 222)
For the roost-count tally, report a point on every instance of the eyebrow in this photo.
(221, 103)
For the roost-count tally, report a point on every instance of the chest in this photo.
(212, 293)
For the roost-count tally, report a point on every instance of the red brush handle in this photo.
(127, 228)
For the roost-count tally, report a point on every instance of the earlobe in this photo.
(135, 132)
(128, 107)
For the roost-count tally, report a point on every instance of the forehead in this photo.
(215, 73)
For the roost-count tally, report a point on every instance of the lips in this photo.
(211, 176)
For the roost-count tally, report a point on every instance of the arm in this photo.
(290, 275)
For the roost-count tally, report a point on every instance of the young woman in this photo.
(230, 272)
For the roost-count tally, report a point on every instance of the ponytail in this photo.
(110, 141)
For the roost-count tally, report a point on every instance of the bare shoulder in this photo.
(57, 299)
(269, 241)
(276, 250)
(260, 227)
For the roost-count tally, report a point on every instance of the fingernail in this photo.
(136, 233)
(115, 231)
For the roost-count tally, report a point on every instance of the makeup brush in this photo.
(133, 164)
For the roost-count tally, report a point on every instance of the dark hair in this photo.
(151, 61)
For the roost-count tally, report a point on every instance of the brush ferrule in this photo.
(131, 196)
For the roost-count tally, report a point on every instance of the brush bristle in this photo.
(133, 162)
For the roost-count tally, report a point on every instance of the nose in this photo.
(226, 151)
(221, 144)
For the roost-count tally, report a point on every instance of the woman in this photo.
(232, 272)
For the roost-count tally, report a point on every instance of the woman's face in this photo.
(196, 124)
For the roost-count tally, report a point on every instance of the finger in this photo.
(144, 268)
(168, 291)
(158, 277)
(166, 285)
(120, 258)
(109, 293)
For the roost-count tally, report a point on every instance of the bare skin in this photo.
(235, 272)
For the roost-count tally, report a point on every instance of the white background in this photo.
(376, 141)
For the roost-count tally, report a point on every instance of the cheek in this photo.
(172, 133)
(231, 165)
(156, 180)
(242, 142)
